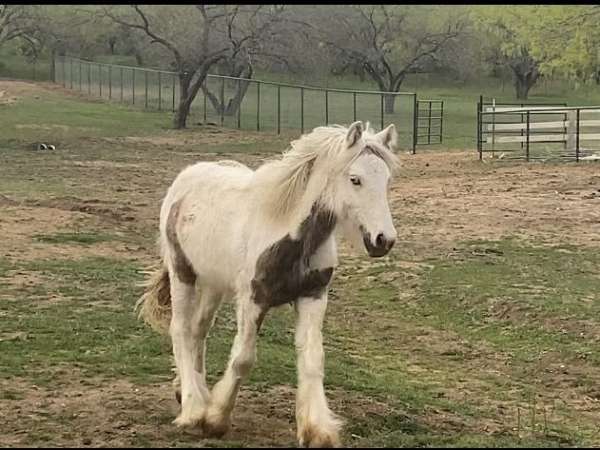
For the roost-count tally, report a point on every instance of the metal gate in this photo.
(428, 122)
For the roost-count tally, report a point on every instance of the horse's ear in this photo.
(388, 136)
(354, 133)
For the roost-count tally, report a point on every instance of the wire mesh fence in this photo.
(244, 103)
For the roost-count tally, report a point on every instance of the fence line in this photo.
(245, 103)
(542, 131)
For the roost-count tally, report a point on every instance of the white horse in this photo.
(266, 238)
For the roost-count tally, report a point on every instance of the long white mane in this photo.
(319, 156)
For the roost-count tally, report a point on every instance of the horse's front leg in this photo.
(243, 355)
(317, 425)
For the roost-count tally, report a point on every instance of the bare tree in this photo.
(387, 41)
(197, 38)
(252, 32)
(14, 22)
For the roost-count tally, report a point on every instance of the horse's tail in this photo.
(154, 306)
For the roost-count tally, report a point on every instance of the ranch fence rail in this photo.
(533, 131)
(254, 104)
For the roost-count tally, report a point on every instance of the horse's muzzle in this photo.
(381, 247)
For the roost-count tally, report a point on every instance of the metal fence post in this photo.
(89, 79)
(239, 107)
(441, 119)
(222, 101)
(53, 67)
(121, 80)
(71, 73)
(80, 85)
(100, 78)
(527, 148)
(133, 86)
(415, 122)
(159, 92)
(354, 106)
(64, 76)
(326, 107)
(479, 127)
(204, 99)
(429, 125)
(173, 107)
(110, 82)
(381, 107)
(278, 109)
(258, 106)
(301, 110)
(145, 89)
(577, 138)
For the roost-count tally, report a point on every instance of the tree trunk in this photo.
(389, 102)
(185, 102)
(138, 57)
(523, 83)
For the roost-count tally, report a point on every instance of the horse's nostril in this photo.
(380, 241)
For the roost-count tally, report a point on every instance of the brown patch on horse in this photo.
(282, 270)
(181, 264)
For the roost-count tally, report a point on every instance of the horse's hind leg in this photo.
(188, 323)
(201, 325)
(243, 354)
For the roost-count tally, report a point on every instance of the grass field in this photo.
(481, 328)
(460, 99)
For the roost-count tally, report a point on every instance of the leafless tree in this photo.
(252, 32)
(387, 41)
(198, 37)
(14, 22)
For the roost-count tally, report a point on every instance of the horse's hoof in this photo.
(178, 396)
(215, 425)
(314, 437)
(188, 421)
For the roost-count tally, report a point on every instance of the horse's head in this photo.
(361, 189)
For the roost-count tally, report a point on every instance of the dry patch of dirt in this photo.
(207, 135)
(19, 225)
(52, 127)
(119, 413)
(441, 198)
(11, 91)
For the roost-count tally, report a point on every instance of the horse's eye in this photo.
(355, 180)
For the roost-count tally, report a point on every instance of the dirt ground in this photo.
(437, 198)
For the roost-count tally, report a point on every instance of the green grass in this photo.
(440, 345)
(82, 238)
